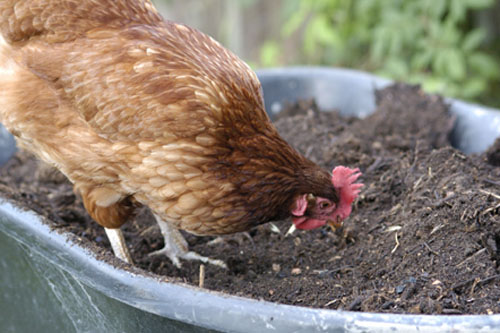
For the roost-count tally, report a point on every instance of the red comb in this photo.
(343, 179)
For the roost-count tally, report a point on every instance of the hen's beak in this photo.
(335, 224)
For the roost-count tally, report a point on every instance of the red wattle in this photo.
(305, 223)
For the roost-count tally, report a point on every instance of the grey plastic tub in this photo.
(49, 284)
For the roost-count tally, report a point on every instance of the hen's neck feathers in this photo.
(269, 174)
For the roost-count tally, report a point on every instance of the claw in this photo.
(176, 247)
(195, 256)
(164, 251)
(189, 255)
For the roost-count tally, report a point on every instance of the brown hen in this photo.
(136, 110)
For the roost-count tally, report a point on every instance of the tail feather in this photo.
(63, 20)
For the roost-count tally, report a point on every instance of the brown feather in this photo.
(131, 107)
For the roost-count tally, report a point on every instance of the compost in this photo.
(424, 235)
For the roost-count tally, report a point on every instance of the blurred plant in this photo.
(430, 42)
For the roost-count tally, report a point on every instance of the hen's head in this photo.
(310, 212)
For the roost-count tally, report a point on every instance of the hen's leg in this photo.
(176, 247)
(108, 208)
(117, 241)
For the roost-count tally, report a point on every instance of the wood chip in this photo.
(393, 228)
(397, 243)
(274, 228)
(201, 283)
(291, 230)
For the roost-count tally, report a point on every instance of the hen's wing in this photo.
(65, 20)
(128, 73)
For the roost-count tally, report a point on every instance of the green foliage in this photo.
(269, 52)
(430, 42)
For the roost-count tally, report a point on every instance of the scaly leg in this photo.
(176, 247)
(117, 241)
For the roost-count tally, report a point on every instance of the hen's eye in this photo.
(324, 205)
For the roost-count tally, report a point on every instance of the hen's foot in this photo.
(176, 247)
(118, 245)
(238, 238)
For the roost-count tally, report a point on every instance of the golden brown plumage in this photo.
(135, 109)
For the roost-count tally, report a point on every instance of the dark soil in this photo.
(424, 235)
(493, 153)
